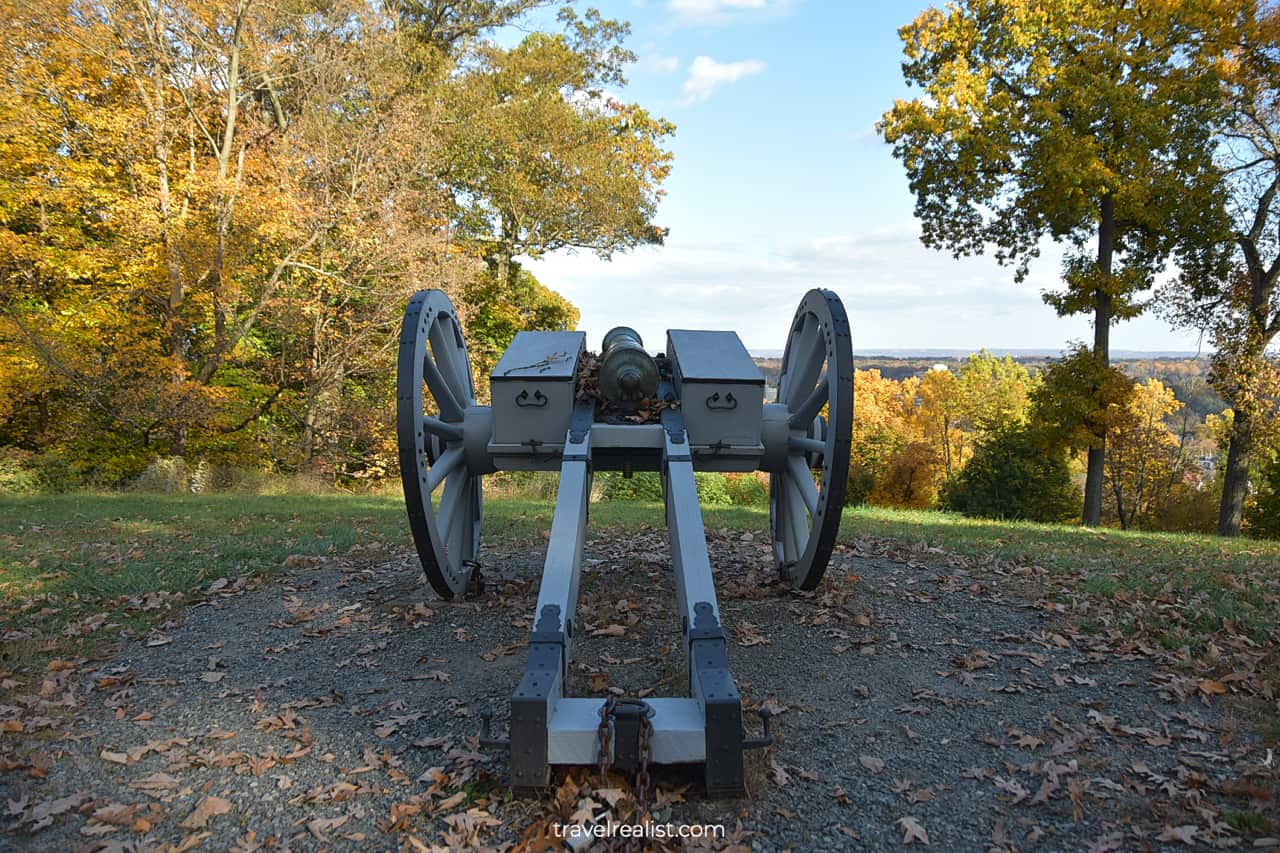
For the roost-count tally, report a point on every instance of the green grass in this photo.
(1218, 580)
(65, 559)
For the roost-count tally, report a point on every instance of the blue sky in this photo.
(781, 184)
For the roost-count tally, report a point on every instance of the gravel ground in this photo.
(332, 707)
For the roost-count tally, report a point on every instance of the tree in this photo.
(544, 157)
(505, 307)
(211, 214)
(1241, 309)
(1264, 515)
(952, 410)
(1078, 120)
(1013, 475)
(908, 479)
(938, 415)
(996, 391)
(882, 427)
(1079, 399)
(1144, 457)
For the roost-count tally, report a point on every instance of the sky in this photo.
(780, 184)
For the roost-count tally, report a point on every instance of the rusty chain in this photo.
(605, 734)
(642, 783)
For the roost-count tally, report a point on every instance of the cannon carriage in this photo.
(698, 406)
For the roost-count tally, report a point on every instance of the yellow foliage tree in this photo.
(1144, 457)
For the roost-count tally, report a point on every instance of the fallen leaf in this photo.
(870, 762)
(912, 831)
(207, 808)
(319, 826)
(1185, 833)
(155, 782)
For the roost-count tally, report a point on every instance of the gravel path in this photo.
(332, 707)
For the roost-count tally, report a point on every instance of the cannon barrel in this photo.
(627, 372)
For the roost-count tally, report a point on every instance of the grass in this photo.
(69, 558)
(1220, 580)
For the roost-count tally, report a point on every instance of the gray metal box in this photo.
(721, 389)
(532, 387)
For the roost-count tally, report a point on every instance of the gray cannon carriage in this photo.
(551, 411)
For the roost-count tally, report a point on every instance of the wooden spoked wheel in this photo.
(433, 356)
(806, 493)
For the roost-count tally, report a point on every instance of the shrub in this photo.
(16, 477)
(750, 489)
(643, 486)
(908, 481)
(1262, 514)
(1014, 475)
(1187, 508)
(166, 475)
(712, 490)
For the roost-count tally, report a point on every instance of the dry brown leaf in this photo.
(1209, 687)
(208, 807)
(155, 782)
(319, 826)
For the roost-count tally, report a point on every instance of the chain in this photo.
(605, 733)
(643, 782)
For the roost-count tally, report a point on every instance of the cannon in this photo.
(698, 406)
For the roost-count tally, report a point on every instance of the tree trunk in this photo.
(178, 439)
(1235, 483)
(1102, 303)
(308, 440)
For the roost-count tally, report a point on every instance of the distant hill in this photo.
(908, 353)
(1186, 373)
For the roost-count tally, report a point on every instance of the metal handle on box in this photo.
(716, 404)
(538, 401)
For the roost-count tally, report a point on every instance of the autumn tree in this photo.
(210, 215)
(882, 429)
(954, 409)
(544, 154)
(1145, 456)
(996, 391)
(505, 307)
(1241, 309)
(1079, 399)
(939, 416)
(1088, 123)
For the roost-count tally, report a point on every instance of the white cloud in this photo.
(898, 293)
(712, 9)
(706, 75)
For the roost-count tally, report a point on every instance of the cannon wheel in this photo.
(817, 372)
(433, 355)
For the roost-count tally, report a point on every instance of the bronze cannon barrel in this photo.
(627, 372)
